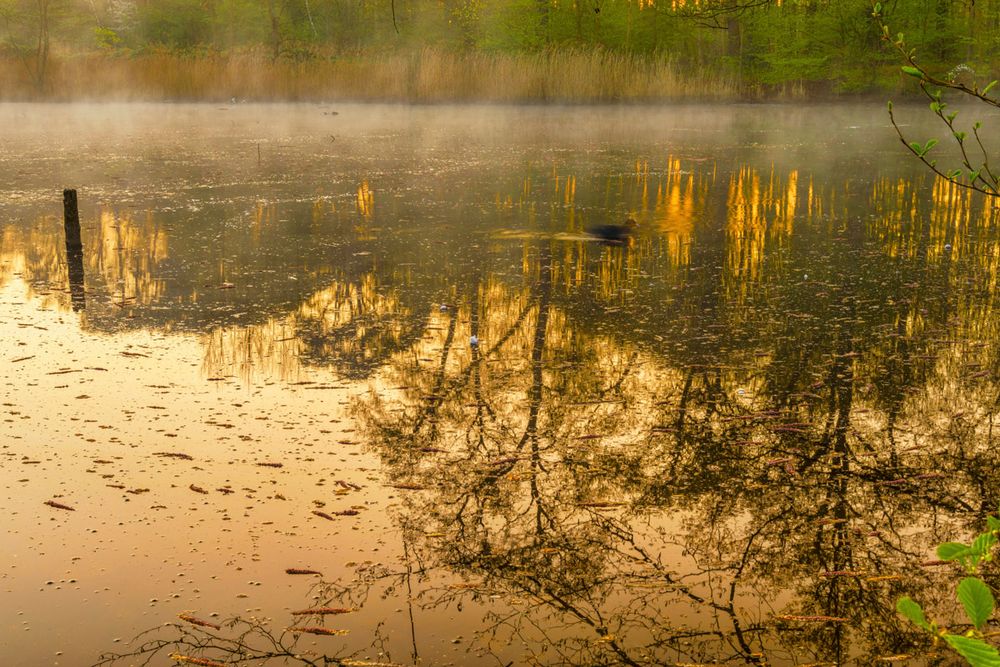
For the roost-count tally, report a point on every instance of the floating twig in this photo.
(828, 522)
(315, 630)
(59, 506)
(322, 611)
(199, 622)
(174, 455)
(192, 660)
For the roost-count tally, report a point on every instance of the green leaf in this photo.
(989, 87)
(878, 7)
(955, 174)
(935, 107)
(951, 116)
(951, 550)
(983, 544)
(913, 71)
(911, 610)
(931, 143)
(916, 148)
(993, 522)
(960, 136)
(977, 599)
(976, 651)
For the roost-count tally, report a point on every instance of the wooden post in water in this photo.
(74, 249)
(71, 221)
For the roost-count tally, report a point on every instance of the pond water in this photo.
(736, 438)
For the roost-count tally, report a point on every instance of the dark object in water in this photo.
(74, 250)
(613, 233)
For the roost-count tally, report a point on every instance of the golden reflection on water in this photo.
(127, 254)
(763, 212)
(366, 200)
(343, 324)
(121, 252)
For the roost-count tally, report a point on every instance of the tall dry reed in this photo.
(430, 75)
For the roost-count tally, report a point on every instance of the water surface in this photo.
(735, 439)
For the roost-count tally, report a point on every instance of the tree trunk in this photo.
(275, 30)
(42, 50)
(578, 10)
(543, 20)
(734, 45)
(970, 51)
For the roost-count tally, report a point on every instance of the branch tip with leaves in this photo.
(976, 172)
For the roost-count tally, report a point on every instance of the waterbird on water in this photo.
(614, 233)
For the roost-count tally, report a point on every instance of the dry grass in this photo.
(426, 76)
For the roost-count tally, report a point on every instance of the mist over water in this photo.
(735, 437)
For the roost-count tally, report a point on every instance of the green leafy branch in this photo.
(976, 174)
(974, 595)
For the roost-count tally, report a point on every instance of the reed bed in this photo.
(427, 76)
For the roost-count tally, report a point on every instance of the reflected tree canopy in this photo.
(749, 460)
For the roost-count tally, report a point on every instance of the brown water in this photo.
(768, 407)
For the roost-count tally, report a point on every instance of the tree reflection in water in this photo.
(746, 494)
(744, 459)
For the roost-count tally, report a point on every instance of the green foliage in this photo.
(972, 593)
(977, 652)
(974, 155)
(913, 611)
(237, 23)
(977, 600)
(765, 45)
(921, 150)
(106, 38)
(180, 24)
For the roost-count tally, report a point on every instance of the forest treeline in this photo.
(495, 50)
